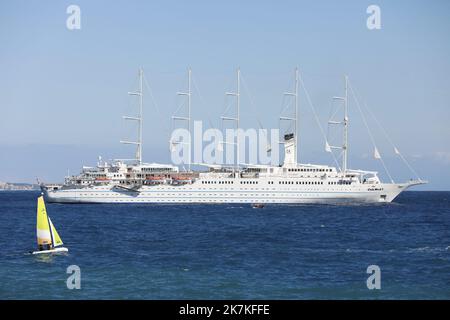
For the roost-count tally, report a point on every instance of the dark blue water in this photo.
(230, 251)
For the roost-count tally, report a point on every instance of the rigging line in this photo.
(317, 118)
(286, 105)
(133, 103)
(180, 106)
(151, 96)
(407, 163)
(229, 104)
(335, 111)
(202, 100)
(390, 141)
(165, 128)
(226, 101)
(368, 130)
(252, 104)
(331, 117)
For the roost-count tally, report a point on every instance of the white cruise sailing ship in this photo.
(121, 181)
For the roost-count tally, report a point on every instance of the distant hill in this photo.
(18, 186)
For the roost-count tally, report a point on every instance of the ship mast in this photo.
(188, 118)
(296, 114)
(294, 119)
(140, 94)
(238, 97)
(344, 124)
(236, 94)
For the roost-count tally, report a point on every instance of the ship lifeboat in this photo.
(181, 179)
(102, 179)
(155, 179)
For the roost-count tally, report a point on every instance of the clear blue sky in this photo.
(62, 93)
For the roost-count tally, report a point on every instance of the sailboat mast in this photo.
(52, 245)
(345, 146)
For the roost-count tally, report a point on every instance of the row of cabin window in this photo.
(339, 182)
(279, 182)
(155, 169)
(300, 182)
(228, 182)
(309, 170)
(215, 182)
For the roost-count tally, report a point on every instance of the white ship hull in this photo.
(256, 194)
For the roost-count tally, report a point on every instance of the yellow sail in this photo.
(42, 226)
(56, 238)
(46, 232)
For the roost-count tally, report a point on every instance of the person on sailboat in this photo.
(47, 247)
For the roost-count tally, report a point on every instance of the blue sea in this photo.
(230, 251)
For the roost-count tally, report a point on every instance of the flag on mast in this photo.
(327, 147)
(396, 151)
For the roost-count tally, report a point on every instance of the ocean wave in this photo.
(427, 249)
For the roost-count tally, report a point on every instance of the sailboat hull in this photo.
(54, 250)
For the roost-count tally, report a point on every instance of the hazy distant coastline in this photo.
(11, 186)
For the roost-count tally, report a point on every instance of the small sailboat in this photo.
(48, 238)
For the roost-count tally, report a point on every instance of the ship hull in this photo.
(197, 195)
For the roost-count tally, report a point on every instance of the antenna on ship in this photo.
(138, 118)
(236, 94)
(344, 123)
(188, 118)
